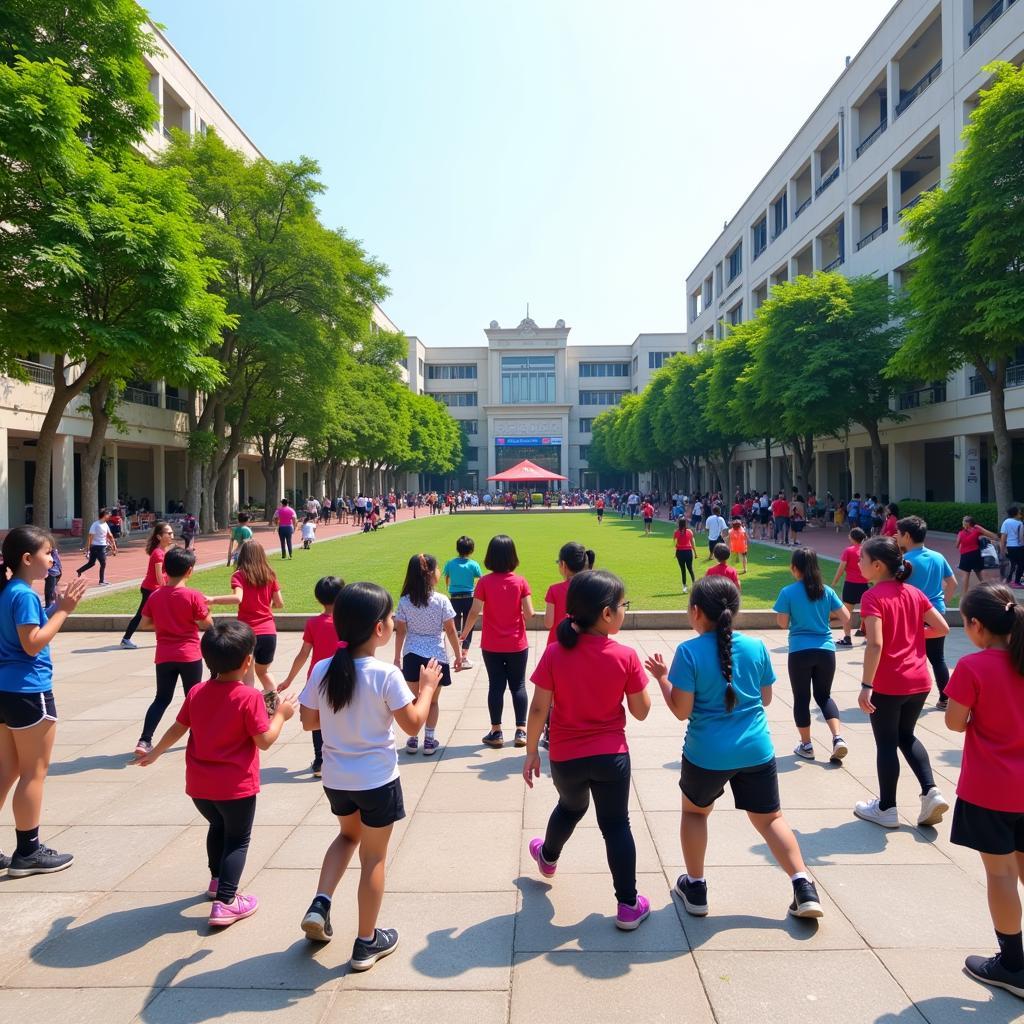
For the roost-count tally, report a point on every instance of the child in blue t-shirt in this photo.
(806, 608)
(28, 715)
(460, 576)
(721, 681)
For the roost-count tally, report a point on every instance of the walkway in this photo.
(121, 936)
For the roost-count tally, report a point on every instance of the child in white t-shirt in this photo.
(354, 699)
(308, 532)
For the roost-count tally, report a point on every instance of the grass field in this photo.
(647, 564)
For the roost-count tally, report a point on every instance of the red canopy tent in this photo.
(526, 472)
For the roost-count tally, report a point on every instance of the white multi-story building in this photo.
(885, 133)
(529, 394)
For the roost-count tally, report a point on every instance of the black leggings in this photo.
(935, 649)
(893, 722)
(167, 673)
(50, 590)
(812, 671)
(227, 840)
(685, 560)
(1016, 559)
(137, 617)
(284, 534)
(97, 553)
(462, 603)
(607, 777)
(506, 668)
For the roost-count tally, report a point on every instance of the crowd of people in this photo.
(370, 664)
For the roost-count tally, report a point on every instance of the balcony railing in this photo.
(175, 404)
(835, 264)
(759, 249)
(37, 373)
(803, 206)
(1014, 379)
(913, 202)
(139, 396)
(931, 395)
(985, 22)
(827, 180)
(873, 137)
(872, 235)
(917, 88)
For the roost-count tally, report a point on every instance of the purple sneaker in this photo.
(211, 889)
(223, 914)
(629, 917)
(546, 869)
(430, 747)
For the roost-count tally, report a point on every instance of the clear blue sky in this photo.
(579, 155)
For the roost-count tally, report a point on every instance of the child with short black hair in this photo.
(855, 586)
(239, 535)
(460, 576)
(722, 567)
(308, 532)
(228, 726)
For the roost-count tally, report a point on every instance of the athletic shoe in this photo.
(839, 748)
(933, 806)
(466, 663)
(104, 583)
(685, 591)
(870, 811)
(805, 900)
(317, 767)
(211, 889)
(494, 739)
(629, 917)
(545, 740)
(942, 703)
(366, 954)
(804, 750)
(845, 642)
(142, 748)
(694, 895)
(546, 869)
(430, 747)
(859, 632)
(128, 645)
(520, 740)
(317, 922)
(43, 861)
(412, 744)
(5, 861)
(242, 906)
(991, 971)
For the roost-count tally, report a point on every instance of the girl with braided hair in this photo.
(720, 683)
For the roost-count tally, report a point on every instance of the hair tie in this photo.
(1009, 606)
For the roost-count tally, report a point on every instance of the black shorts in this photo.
(266, 648)
(754, 789)
(971, 561)
(600, 513)
(765, 515)
(648, 520)
(412, 663)
(995, 832)
(24, 710)
(796, 525)
(377, 808)
(853, 592)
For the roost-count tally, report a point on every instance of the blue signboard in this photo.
(523, 442)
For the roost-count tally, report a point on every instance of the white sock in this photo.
(363, 938)
(690, 878)
(798, 876)
(324, 896)
(428, 733)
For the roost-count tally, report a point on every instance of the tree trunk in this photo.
(318, 480)
(803, 448)
(207, 522)
(1002, 463)
(768, 464)
(878, 486)
(93, 455)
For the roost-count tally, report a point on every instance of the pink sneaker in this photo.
(546, 869)
(223, 914)
(629, 918)
(211, 889)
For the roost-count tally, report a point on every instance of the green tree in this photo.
(967, 289)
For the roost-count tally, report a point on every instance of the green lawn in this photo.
(647, 564)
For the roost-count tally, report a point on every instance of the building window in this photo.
(736, 314)
(602, 397)
(584, 452)
(636, 363)
(780, 215)
(586, 424)
(759, 235)
(470, 426)
(421, 367)
(455, 399)
(458, 371)
(735, 259)
(471, 453)
(656, 360)
(527, 379)
(404, 362)
(604, 369)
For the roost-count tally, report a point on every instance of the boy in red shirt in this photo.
(648, 511)
(722, 555)
(320, 638)
(228, 725)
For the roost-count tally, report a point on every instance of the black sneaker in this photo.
(317, 767)
(494, 739)
(805, 900)
(845, 642)
(43, 862)
(992, 972)
(942, 703)
(859, 632)
(5, 861)
(520, 739)
(366, 954)
(317, 922)
(694, 895)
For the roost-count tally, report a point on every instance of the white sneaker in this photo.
(128, 645)
(870, 811)
(804, 750)
(933, 806)
(466, 663)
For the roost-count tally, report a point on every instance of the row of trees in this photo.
(825, 353)
(200, 267)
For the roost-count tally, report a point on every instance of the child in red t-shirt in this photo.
(738, 543)
(586, 676)
(986, 702)
(320, 639)
(648, 513)
(229, 726)
(176, 613)
(723, 568)
(683, 537)
(855, 586)
(254, 588)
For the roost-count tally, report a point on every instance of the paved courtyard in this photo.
(122, 935)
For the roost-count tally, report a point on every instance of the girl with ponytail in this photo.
(897, 620)
(986, 703)
(720, 683)
(582, 681)
(354, 699)
(573, 558)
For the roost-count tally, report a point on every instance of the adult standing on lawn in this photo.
(100, 536)
(780, 519)
(284, 520)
